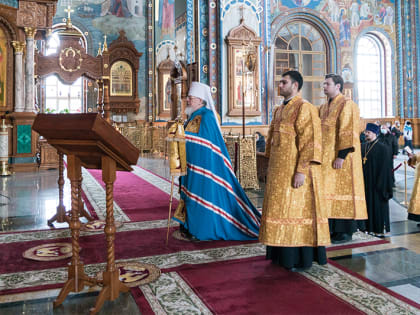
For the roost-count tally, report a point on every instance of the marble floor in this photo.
(28, 200)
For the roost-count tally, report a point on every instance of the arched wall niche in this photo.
(7, 36)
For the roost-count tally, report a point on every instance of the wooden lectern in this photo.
(89, 141)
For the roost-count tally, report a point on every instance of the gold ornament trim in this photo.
(30, 32)
(194, 125)
(18, 46)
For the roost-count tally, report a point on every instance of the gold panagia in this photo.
(344, 188)
(414, 206)
(294, 217)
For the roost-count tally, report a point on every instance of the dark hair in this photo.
(295, 76)
(337, 79)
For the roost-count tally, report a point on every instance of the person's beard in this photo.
(189, 111)
(371, 138)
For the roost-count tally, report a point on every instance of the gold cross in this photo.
(69, 11)
(364, 160)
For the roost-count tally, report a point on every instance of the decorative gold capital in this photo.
(30, 32)
(18, 46)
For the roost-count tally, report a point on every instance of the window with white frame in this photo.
(374, 76)
(63, 98)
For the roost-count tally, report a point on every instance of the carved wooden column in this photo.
(82, 211)
(19, 87)
(77, 278)
(106, 106)
(112, 286)
(60, 216)
(29, 70)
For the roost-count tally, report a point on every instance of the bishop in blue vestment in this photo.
(216, 206)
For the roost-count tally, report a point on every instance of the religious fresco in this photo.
(164, 20)
(181, 35)
(110, 16)
(3, 68)
(346, 16)
(279, 5)
(167, 17)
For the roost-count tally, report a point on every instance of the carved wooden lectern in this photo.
(89, 141)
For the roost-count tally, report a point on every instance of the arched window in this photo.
(59, 97)
(374, 76)
(300, 46)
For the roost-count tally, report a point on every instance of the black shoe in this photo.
(340, 238)
(299, 269)
(186, 234)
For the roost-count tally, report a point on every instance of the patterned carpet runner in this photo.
(208, 277)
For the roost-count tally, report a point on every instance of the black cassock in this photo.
(377, 174)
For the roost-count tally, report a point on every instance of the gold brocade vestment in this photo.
(294, 217)
(414, 206)
(343, 188)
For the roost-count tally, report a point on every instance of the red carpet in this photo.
(128, 244)
(140, 200)
(255, 286)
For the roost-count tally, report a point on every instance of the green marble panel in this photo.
(24, 139)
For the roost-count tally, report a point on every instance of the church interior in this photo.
(78, 77)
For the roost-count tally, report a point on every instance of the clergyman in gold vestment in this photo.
(414, 207)
(294, 223)
(341, 161)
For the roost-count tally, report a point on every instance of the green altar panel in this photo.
(24, 137)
